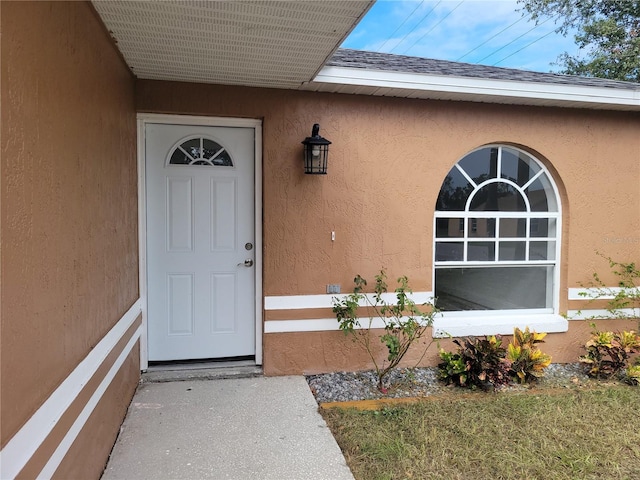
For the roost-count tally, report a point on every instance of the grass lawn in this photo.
(561, 434)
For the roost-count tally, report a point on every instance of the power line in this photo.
(528, 45)
(396, 30)
(416, 26)
(431, 29)
(517, 38)
(489, 39)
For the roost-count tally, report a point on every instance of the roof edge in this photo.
(484, 89)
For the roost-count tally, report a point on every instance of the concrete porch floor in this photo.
(229, 428)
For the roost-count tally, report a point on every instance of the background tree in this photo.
(608, 32)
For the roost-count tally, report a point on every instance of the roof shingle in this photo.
(401, 63)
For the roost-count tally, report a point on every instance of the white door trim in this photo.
(142, 120)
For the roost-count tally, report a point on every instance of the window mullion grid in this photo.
(497, 236)
(502, 263)
(186, 153)
(498, 216)
(527, 234)
(502, 228)
(215, 155)
(533, 179)
(465, 175)
(494, 214)
(465, 237)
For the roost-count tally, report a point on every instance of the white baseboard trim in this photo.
(19, 450)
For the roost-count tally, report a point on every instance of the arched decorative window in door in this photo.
(200, 151)
(497, 232)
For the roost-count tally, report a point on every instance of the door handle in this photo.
(247, 263)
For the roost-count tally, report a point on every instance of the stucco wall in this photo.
(387, 162)
(69, 207)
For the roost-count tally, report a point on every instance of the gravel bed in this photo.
(422, 382)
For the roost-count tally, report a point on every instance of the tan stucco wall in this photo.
(387, 163)
(89, 452)
(321, 352)
(69, 206)
(101, 427)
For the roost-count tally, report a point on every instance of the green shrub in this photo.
(632, 374)
(478, 362)
(527, 361)
(609, 353)
(404, 323)
(623, 302)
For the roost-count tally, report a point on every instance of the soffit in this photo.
(279, 44)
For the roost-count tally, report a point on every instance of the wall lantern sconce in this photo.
(316, 152)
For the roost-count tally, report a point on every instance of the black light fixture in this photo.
(316, 152)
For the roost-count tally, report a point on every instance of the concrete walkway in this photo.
(241, 428)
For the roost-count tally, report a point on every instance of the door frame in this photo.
(142, 120)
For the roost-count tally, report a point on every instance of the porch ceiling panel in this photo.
(280, 44)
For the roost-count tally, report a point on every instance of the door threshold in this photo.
(201, 363)
(200, 370)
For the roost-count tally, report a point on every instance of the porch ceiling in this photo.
(280, 44)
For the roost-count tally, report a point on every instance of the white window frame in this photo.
(178, 146)
(493, 322)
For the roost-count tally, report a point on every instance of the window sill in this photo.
(463, 324)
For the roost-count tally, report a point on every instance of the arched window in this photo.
(200, 151)
(497, 232)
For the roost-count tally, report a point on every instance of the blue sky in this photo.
(488, 32)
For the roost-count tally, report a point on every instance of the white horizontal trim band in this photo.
(64, 446)
(477, 86)
(599, 293)
(19, 450)
(315, 325)
(601, 314)
(451, 323)
(443, 326)
(301, 302)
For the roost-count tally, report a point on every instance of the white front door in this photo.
(200, 241)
